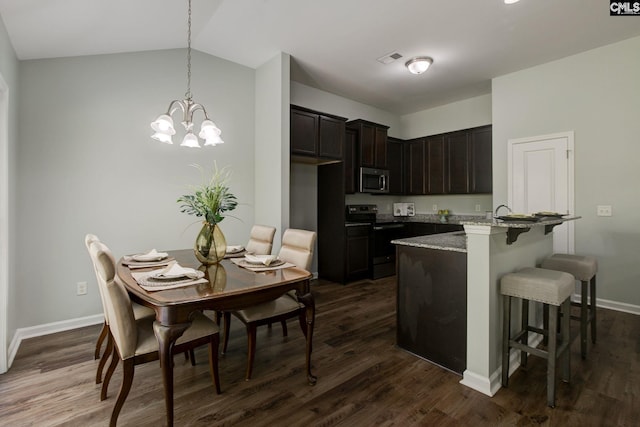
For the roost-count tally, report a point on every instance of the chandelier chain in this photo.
(188, 93)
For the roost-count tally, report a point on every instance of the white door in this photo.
(541, 179)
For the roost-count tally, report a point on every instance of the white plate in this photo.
(259, 259)
(234, 249)
(156, 256)
(195, 274)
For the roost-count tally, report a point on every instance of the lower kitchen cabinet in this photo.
(358, 256)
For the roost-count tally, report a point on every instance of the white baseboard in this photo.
(618, 306)
(49, 328)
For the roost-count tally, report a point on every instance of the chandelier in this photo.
(163, 125)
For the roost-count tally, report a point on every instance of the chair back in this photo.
(116, 299)
(297, 247)
(89, 239)
(261, 240)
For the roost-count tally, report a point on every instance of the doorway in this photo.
(540, 172)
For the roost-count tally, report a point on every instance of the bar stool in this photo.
(553, 289)
(582, 268)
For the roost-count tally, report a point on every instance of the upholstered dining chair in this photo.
(260, 240)
(134, 341)
(139, 312)
(297, 248)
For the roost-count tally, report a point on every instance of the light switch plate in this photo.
(604, 210)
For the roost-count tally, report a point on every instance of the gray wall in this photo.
(9, 72)
(86, 164)
(596, 94)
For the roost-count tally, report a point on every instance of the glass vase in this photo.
(211, 246)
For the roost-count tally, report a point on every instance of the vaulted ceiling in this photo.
(334, 44)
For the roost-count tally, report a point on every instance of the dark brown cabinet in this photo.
(395, 165)
(371, 143)
(451, 163)
(436, 172)
(350, 181)
(357, 260)
(457, 146)
(481, 163)
(414, 172)
(315, 134)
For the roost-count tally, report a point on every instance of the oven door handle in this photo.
(387, 227)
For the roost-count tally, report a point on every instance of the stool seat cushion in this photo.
(538, 284)
(582, 267)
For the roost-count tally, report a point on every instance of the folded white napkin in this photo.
(232, 249)
(175, 270)
(260, 259)
(152, 255)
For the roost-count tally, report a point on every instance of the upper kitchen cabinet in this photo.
(315, 135)
(395, 166)
(457, 147)
(414, 171)
(371, 142)
(451, 163)
(481, 164)
(350, 181)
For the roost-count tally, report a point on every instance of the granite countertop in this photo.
(429, 218)
(544, 221)
(455, 241)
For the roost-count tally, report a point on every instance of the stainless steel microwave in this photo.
(374, 180)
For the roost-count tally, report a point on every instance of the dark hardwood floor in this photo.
(363, 379)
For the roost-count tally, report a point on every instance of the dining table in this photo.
(228, 287)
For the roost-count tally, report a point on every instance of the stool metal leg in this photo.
(524, 326)
(551, 356)
(584, 319)
(506, 334)
(566, 340)
(592, 308)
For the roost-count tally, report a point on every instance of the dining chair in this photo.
(260, 240)
(134, 341)
(297, 249)
(139, 312)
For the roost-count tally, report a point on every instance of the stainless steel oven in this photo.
(384, 253)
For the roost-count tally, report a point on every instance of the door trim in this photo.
(569, 135)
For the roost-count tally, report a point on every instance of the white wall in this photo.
(464, 114)
(8, 140)
(86, 164)
(596, 94)
(272, 145)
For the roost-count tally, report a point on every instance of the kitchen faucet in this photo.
(502, 206)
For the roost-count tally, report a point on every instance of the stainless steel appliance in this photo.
(383, 253)
(374, 180)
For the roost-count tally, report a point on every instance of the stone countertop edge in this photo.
(455, 241)
(518, 224)
(429, 218)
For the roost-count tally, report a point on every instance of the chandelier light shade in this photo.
(419, 64)
(163, 125)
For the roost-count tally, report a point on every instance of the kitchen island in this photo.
(492, 248)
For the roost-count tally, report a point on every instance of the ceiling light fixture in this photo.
(419, 64)
(511, 1)
(163, 125)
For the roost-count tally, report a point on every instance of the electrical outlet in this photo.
(478, 208)
(604, 210)
(81, 288)
(434, 207)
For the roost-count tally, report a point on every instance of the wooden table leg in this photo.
(167, 336)
(310, 315)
